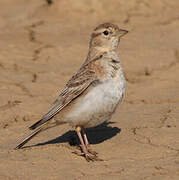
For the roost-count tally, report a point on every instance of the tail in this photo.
(28, 138)
(38, 123)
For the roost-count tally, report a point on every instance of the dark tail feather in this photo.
(38, 123)
(29, 138)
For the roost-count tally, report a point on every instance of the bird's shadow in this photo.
(95, 135)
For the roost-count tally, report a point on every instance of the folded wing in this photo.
(75, 86)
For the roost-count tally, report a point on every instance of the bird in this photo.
(93, 93)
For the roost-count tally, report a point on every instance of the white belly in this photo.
(98, 104)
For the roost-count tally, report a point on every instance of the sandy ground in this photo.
(42, 45)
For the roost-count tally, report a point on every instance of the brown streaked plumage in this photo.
(106, 26)
(91, 96)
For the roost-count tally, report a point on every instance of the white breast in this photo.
(98, 104)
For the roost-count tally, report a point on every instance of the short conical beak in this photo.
(122, 32)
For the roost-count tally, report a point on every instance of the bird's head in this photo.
(106, 36)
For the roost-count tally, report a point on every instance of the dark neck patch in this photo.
(114, 61)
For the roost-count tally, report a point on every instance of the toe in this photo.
(92, 152)
(90, 157)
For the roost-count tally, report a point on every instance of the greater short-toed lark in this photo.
(93, 93)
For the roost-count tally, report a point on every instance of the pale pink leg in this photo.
(78, 130)
(83, 146)
(85, 137)
(87, 143)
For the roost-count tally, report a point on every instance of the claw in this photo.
(87, 156)
(91, 151)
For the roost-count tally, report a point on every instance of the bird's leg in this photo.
(83, 146)
(78, 131)
(87, 143)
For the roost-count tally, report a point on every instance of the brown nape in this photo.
(107, 25)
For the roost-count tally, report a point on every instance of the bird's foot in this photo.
(91, 151)
(89, 157)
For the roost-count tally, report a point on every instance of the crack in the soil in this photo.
(148, 141)
(9, 105)
(32, 33)
(24, 89)
(21, 86)
(38, 51)
(16, 119)
(18, 68)
(135, 12)
(141, 76)
(165, 117)
(33, 39)
(34, 79)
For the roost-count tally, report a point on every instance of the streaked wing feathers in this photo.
(75, 86)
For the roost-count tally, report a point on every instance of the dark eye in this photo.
(106, 33)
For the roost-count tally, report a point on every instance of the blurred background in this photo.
(43, 42)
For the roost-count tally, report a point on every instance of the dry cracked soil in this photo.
(42, 43)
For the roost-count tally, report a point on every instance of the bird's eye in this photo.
(105, 32)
